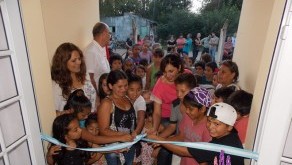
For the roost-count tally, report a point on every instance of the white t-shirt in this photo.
(139, 104)
(60, 101)
(96, 60)
(144, 82)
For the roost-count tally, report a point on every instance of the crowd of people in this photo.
(103, 99)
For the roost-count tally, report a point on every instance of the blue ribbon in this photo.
(111, 147)
(199, 145)
(212, 147)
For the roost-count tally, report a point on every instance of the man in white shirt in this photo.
(95, 53)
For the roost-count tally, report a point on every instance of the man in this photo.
(95, 53)
(213, 43)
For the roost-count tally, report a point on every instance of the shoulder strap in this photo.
(113, 124)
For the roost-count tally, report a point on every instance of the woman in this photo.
(68, 72)
(171, 45)
(164, 91)
(116, 115)
(228, 75)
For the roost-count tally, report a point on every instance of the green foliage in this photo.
(174, 17)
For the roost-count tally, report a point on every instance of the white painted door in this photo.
(274, 134)
(20, 142)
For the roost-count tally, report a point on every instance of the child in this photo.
(141, 72)
(153, 68)
(207, 79)
(134, 94)
(92, 126)
(222, 94)
(80, 106)
(183, 83)
(192, 128)
(66, 129)
(146, 95)
(241, 102)
(103, 89)
(145, 53)
(115, 62)
(199, 67)
(210, 69)
(128, 64)
(220, 121)
(146, 157)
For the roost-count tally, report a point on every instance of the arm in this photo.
(177, 137)
(104, 139)
(94, 157)
(169, 130)
(140, 121)
(104, 113)
(53, 150)
(156, 115)
(181, 151)
(91, 75)
(148, 78)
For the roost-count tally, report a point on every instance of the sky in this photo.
(196, 5)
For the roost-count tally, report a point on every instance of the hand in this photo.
(121, 150)
(151, 132)
(155, 152)
(126, 138)
(54, 150)
(154, 137)
(134, 134)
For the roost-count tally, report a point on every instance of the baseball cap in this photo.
(201, 95)
(223, 112)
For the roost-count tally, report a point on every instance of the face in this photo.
(215, 80)
(182, 90)
(156, 59)
(229, 39)
(117, 65)
(193, 112)
(208, 72)
(145, 47)
(146, 96)
(216, 100)
(134, 91)
(225, 76)
(73, 64)
(74, 132)
(105, 87)
(140, 72)
(198, 35)
(136, 50)
(128, 65)
(83, 114)
(93, 128)
(170, 72)
(120, 88)
(199, 70)
(216, 128)
(106, 36)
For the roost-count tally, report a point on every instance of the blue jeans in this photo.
(212, 52)
(114, 159)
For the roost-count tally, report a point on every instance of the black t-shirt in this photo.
(73, 157)
(231, 139)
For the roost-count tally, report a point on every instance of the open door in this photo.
(19, 126)
(274, 134)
